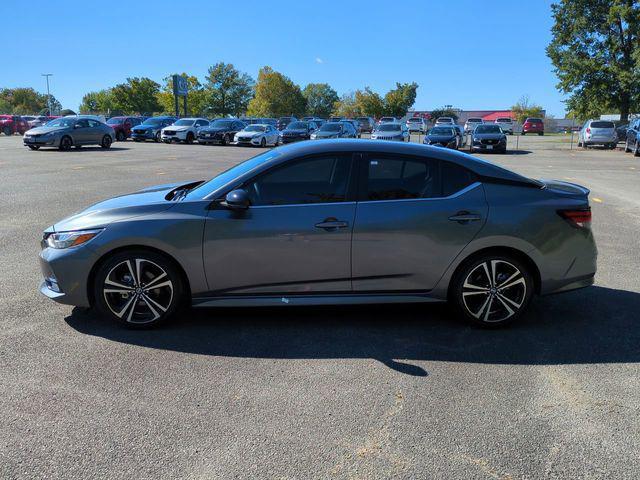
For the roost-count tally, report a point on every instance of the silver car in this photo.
(598, 132)
(257, 135)
(334, 222)
(67, 132)
(416, 124)
(396, 132)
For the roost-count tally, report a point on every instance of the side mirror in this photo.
(236, 200)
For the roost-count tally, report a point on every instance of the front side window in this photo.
(314, 180)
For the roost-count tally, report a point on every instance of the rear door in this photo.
(413, 217)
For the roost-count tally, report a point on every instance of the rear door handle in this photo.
(332, 224)
(464, 217)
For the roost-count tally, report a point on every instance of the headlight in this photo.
(313, 136)
(70, 239)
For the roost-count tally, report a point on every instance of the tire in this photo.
(167, 141)
(263, 142)
(540, 134)
(78, 147)
(157, 137)
(120, 136)
(106, 142)
(189, 139)
(34, 147)
(122, 294)
(523, 133)
(7, 131)
(636, 149)
(477, 296)
(626, 146)
(225, 140)
(65, 143)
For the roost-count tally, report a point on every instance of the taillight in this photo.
(578, 218)
(588, 130)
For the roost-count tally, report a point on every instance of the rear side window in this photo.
(602, 125)
(455, 178)
(401, 178)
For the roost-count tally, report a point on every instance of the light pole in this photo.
(47, 75)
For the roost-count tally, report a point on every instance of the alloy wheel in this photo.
(138, 291)
(494, 291)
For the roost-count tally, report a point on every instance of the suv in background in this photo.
(533, 125)
(416, 124)
(506, 124)
(472, 123)
(367, 124)
(283, 122)
(598, 132)
(10, 124)
(632, 142)
(122, 126)
(445, 121)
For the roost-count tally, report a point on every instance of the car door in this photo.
(414, 216)
(81, 132)
(294, 238)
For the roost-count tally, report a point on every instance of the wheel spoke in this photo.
(512, 277)
(138, 271)
(514, 283)
(486, 271)
(117, 290)
(487, 312)
(493, 272)
(119, 285)
(156, 304)
(163, 284)
(133, 275)
(152, 282)
(507, 299)
(476, 292)
(510, 311)
(153, 310)
(478, 314)
(126, 306)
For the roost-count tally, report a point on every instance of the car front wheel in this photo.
(120, 136)
(138, 289)
(492, 290)
(106, 142)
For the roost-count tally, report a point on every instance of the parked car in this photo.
(67, 132)
(257, 135)
(418, 224)
(462, 135)
(533, 125)
(396, 132)
(445, 121)
(284, 121)
(442, 136)
(367, 124)
(387, 120)
(356, 126)
(221, 131)
(122, 126)
(598, 132)
(151, 128)
(632, 142)
(336, 119)
(488, 136)
(416, 124)
(621, 132)
(183, 130)
(334, 130)
(506, 124)
(472, 123)
(10, 124)
(297, 131)
(33, 121)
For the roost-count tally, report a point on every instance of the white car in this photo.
(472, 123)
(387, 120)
(445, 121)
(506, 124)
(416, 124)
(183, 130)
(598, 132)
(257, 135)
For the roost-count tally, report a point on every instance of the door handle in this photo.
(464, 217)
(331, 224)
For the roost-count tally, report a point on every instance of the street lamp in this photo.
(47, 75)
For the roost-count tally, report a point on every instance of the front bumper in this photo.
(284, 139)
(40, 141)
(247, 141)
(177, 137)
(146, 135)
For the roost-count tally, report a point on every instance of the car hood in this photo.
(178, 128)
(488, 136)
(440, 138)
(41, 130)
(215, 129)
(327, 134)
(294, 132)
(144, 202)
(249, 134)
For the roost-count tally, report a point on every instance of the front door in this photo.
(294, 238)
(415, 215)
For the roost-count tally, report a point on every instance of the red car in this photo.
(123, 126)
(533, 125)
(10, 124)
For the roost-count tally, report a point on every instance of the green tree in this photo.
(276, 95)
(320, 99)
(101, 101)
(346, 106)
(444, 112)
(524, 108)
(595, 50)
(400, 99)
(228, 90)
(369, 103)
(23, 101)
(197, 101)
(137, 95)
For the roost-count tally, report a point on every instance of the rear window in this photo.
(533, 120)
(475, 120)
(504, 119)
(602, 125)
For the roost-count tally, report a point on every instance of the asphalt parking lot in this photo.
(359, 392)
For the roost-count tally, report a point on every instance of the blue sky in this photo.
(476, 54)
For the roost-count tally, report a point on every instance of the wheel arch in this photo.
(96, 266)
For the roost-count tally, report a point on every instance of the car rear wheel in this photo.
(138, 289)
(225, 140)
(157, 137)
(106, 142)
(263, 142)
(492, 290)
(34, 147)
(636, 149)
(120, 137)
(66, 143)
(7, 131)
(189, 139)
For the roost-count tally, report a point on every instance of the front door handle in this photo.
(464, 217)
(332, 224)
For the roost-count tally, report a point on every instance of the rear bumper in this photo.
(573, 284)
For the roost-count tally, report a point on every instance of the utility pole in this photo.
(47, 75)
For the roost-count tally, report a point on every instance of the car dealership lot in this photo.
(358, 392)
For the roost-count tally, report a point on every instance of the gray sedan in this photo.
(67, 132)
(333, 222)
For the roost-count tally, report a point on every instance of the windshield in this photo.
(389, 127)
(255, 128)
(153, 121)
(184, 123)
(229, 175)
(222, 124)
(297, 126)
(445, 120)
(488, 129)
(602, 125)
(414, 120)
(441, 131)
(62, 122)
(475, 120)
(115, 121)
(330, 127)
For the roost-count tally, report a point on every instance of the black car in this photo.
(283, 122)
(621, 132)
(367, 124)
(297, 131)
(220, 131)
(150, 129)
(442, 136)
(632, 140)
(488, 137)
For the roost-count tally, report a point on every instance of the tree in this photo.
(595, 50)
(400, 99)
(346, 106)
(524, 108)
(276, 95)
(444, 112)
(137, 95)
(228, 90)
(23, 101)
(320, 99)
(196, 97)
(101, 101)
(369, 103)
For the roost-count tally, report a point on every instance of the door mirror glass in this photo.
(237, 200)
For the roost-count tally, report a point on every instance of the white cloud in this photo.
(319, 60)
